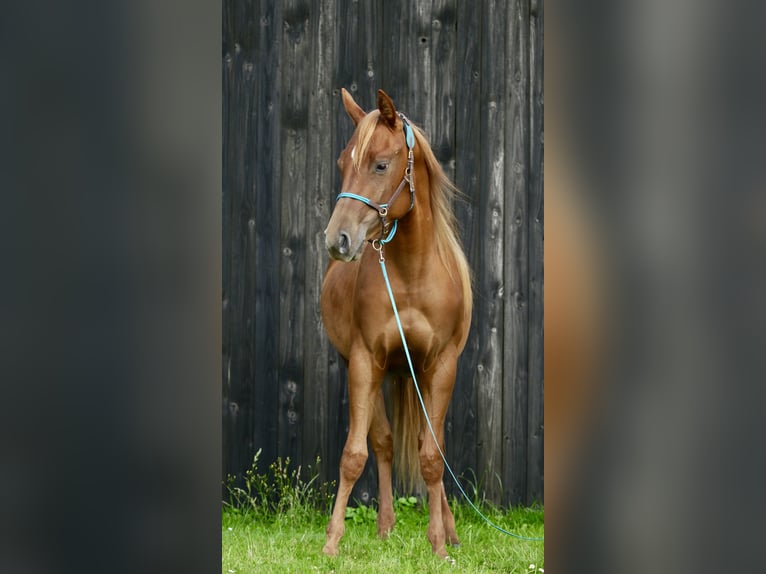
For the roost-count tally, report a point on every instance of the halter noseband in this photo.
(382, 208)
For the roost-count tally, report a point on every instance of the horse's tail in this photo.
(406, 417)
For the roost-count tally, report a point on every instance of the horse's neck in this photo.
(413, 249)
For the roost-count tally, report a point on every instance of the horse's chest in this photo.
(427, 331)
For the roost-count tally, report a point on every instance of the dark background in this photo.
(110, 299)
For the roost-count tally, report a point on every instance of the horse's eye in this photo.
(381, 167)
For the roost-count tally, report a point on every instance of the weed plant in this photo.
(278, 491)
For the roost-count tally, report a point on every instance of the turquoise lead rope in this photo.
(423, 405)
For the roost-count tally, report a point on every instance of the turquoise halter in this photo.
(382, 208)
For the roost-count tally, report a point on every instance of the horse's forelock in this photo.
(364, 133)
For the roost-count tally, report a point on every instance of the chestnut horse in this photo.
(395, 205)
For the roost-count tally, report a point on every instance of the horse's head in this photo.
(373, 167)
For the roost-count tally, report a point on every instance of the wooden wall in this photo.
(470, 74)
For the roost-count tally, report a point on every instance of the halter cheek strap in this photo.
(382, 208)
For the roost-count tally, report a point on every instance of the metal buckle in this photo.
(377, 245)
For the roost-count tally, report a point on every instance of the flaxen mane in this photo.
(443, 193)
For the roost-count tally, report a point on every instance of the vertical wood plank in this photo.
(442, 132)
(419, 95)
(371, 57)
(317, 414)
(238, 240)
(443, 83)
(490, 299)
(461, 419)
(294, 106)
(515, 398)
(395, 49)
(359, 49)
(229, 109)
(264, 226)
(535, 449)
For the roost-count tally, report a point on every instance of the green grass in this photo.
(276, 523)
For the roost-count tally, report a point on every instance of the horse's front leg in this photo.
(437, 390)
(364, 380)
(448, 520)
(382, 443)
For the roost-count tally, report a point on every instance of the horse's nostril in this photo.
(343, 244)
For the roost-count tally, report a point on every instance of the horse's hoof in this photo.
(384, 530)
(330, 550)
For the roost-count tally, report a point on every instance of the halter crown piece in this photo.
(382, 208)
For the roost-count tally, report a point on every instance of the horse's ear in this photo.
(352, 108)
(386, 107)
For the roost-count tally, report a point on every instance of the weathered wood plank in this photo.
(419, 95)
(359, 49)
(229, 110)
(317, 416)
(442, 129)
(461, 419)
(294, 111)
(490, 298)
(535, 448)
(515, 360)
(264, 226)
(395, 45)
(370, 58)
(238, 271)
(444, 83)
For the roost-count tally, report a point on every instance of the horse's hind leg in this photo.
(363, 383)
(383, 446)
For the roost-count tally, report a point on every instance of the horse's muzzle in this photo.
(340, 247)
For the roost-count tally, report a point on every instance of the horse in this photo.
(415, 234)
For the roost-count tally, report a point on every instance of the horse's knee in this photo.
(383, 446)
(431, 466)
(352, 463)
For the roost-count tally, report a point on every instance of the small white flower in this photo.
(230, 529)
(531, 566)
(542, 570)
